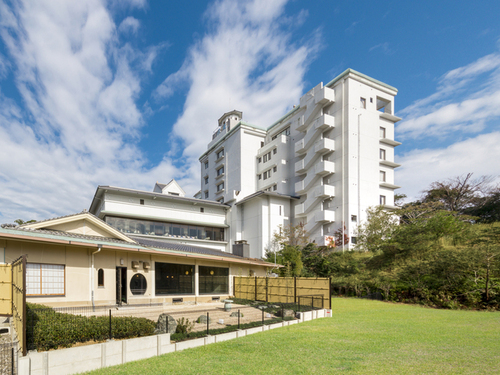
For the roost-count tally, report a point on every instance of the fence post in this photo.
(262, 317)
(282, 313)
(294, 290)
(110, 332)
(239, 319)
(12, 360)
(330, 299)
(255, 288)
(267, 299)
(208, 322)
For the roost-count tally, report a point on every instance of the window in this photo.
(283, 132)
(174, 278)
(175, 194)
(275, 187)
(382, 176)
(382, 132)
(362, 102)
(221, 200)
(206, 180)
(220, 171)
(260, 160)
(100, 277)
(260, 177)
(383, 105)
(275, 150)
(206, 194)
(267, 174)
(371, 100)
(202, 209)
(261, 144)
(45, 279)
(354, 240)
(220, 154)
(382, 200)
(280, 207)
(141, 201)
(275, 169)
(220, 187)
(267, 156)
(138, 284)
(206, 165)
(382, 154)
(354, 218)
(213, 280)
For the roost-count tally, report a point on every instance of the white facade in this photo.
(322, 164)
(327, 160)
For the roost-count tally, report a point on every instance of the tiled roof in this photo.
(163, 244)
(59, 233)
(65, 216)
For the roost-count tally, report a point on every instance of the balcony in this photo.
(324, 145)
(389, 142)
(326, 95)
(300, 146)
(325, 216)
(389, 186)
(300, 167)
(324, 168)
(324, 191)
(299, 209)
(388, 163)
(321, 168)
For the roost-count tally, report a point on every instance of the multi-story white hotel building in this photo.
(322, 164)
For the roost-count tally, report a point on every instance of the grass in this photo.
(363, 337)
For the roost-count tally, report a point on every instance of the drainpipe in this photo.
(99, 248)
(343, 167)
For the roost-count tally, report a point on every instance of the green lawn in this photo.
(363, 337)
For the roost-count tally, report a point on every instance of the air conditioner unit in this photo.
(146, 265)
(135, 264)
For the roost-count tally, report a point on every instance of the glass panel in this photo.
(213, 280)
(138, 284)
(174, 278)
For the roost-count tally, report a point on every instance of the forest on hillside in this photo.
(442, 250)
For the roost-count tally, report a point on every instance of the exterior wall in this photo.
(78, 273)
(80, 227)
(330, 157)
(116, 204)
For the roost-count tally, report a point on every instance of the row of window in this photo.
(133, 226)
(283, 132)
(266, 157)
(219, 155)
(267, 174)
(49, 279)
(220, 172)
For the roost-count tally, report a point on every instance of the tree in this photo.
(486, 209)
(376, 230)
(458, 193)
(22, 222)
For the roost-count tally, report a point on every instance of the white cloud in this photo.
(246, 63)
(79, 124)
(420, 167)
(463, 99)
(129, 25)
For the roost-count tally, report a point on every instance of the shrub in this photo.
(184, 326)
(48, 329)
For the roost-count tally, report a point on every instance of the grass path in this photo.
(363, 337)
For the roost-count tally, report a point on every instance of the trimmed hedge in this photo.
(47, 329)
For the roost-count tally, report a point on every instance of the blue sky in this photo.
(128, 92)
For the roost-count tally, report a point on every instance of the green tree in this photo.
(376, 230)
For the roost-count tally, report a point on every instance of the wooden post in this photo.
(255, 288)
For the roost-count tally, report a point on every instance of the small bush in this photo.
(184, 326)
(47, 329)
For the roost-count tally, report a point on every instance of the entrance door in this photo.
(121, 285)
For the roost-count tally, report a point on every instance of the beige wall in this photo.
(78, 276)
(81, 227)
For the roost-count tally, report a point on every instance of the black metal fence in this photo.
(8, 358)
(50, 328)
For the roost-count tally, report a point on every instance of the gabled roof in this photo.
(172, 186)
(270, 193)
(57, 224)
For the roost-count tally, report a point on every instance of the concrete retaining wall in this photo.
(111, 353)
